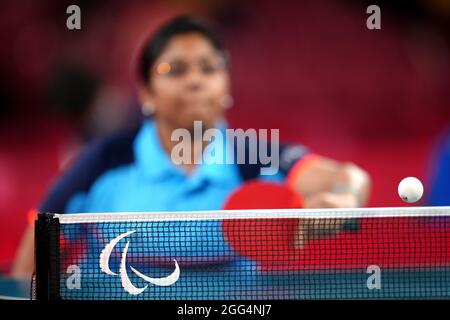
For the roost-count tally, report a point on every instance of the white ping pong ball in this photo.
(410, 189)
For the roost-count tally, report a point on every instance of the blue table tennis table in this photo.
(208, 285)
(223, 285)
(398, 285)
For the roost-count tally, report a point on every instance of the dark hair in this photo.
(154, 47)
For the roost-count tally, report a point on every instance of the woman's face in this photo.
(188, 83)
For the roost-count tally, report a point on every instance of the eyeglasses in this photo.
(179, 68)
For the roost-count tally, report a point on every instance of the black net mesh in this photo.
(300, 255)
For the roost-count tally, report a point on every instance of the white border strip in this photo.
(13, 298)
(251, 214)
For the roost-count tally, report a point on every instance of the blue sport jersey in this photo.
(131, 172)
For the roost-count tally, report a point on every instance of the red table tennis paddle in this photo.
(263, 195)
(262, 239)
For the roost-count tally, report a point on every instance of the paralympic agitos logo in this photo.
(125, 280)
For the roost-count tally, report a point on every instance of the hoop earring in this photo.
(148, 109)
(227, 101)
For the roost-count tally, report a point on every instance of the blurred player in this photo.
(184, 77)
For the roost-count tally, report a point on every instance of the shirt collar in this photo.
(156, 164)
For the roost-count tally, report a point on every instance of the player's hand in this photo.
(320, 228)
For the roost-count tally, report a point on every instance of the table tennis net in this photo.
(389, 253)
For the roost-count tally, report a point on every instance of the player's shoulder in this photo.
(111, 150)
(101, 156)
